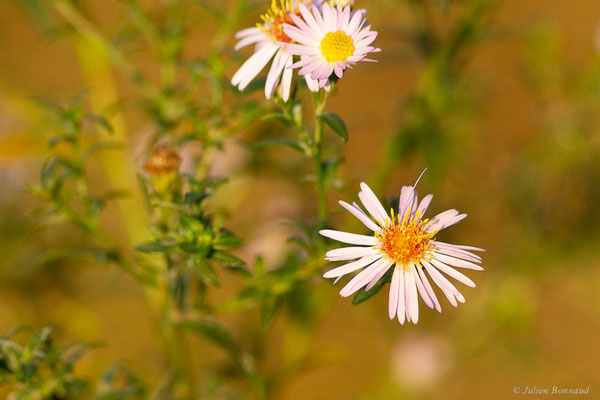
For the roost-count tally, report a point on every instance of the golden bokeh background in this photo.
(520, 155)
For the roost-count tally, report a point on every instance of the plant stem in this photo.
(319, 101)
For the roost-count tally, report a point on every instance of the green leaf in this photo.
(255, 85)
(101, 121)
(330, 166)
(283, 142)
(269, 307)
(101, 146)
(227, 259)
(231, 262)
(194, 198)
(67, 137)
(39, 11)
(275, 116)
(336, 124)
(206, 273)
(49, 106)
(158, 246)
(300, 241)
(363, 295)
(226, 240)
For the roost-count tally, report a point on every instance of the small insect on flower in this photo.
(268, 38)
(330, 40)
(406, 242)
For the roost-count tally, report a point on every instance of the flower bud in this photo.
(164, 160)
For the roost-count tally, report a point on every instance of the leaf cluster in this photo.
(40, 369)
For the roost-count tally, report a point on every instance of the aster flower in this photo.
(406, 242)
(329, 40)
(268, 38)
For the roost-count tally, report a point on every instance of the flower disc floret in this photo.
(337, 46)
(405, 241)
(280, 13)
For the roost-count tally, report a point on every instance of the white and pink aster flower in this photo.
(268, 38)
(405, 242)
(329, 40)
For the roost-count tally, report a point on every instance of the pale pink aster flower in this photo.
(330, 40)
(406, 242)
(268, 38)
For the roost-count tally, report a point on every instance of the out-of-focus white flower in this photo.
(268, 38)
(419, 361)
(406, 242)
(329, 40)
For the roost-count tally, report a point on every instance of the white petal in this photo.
(349, 253)
(372, 204)
(414, 299)
(443, 215)
(454, 251)
(421, 288)
(310, 19)
(248, 32)
(274, 74)
(300, 36)
(249, 40)
(429, 289)
(445, 219)
(448, 222)
(286, 79)
(354, 22)
(450, 297)
(460, 246)
(424, 204)
(364, 277)
(401, 314)
(440, 279)
(351, 267)
(457, 262)
(407, 295)
(394, 289)
(453, 273)
(253, 66)
(407, 196)
(312, 84)
(376, 278)
(360, 215)
(350, 238)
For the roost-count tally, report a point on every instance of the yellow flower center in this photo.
(280, 13)
(337, 46)
(405, 241)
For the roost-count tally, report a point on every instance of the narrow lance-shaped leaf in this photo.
(336, 124)
(283, 142)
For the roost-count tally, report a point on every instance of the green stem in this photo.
(319, 100)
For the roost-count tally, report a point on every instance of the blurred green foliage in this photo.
(39, 369)
(158, 77)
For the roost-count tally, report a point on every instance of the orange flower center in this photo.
(405, 241)
(279, 14)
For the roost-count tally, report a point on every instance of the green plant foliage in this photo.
(39, 369)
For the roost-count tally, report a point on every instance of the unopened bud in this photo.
(164, 160)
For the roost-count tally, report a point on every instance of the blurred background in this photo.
(500, 99)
